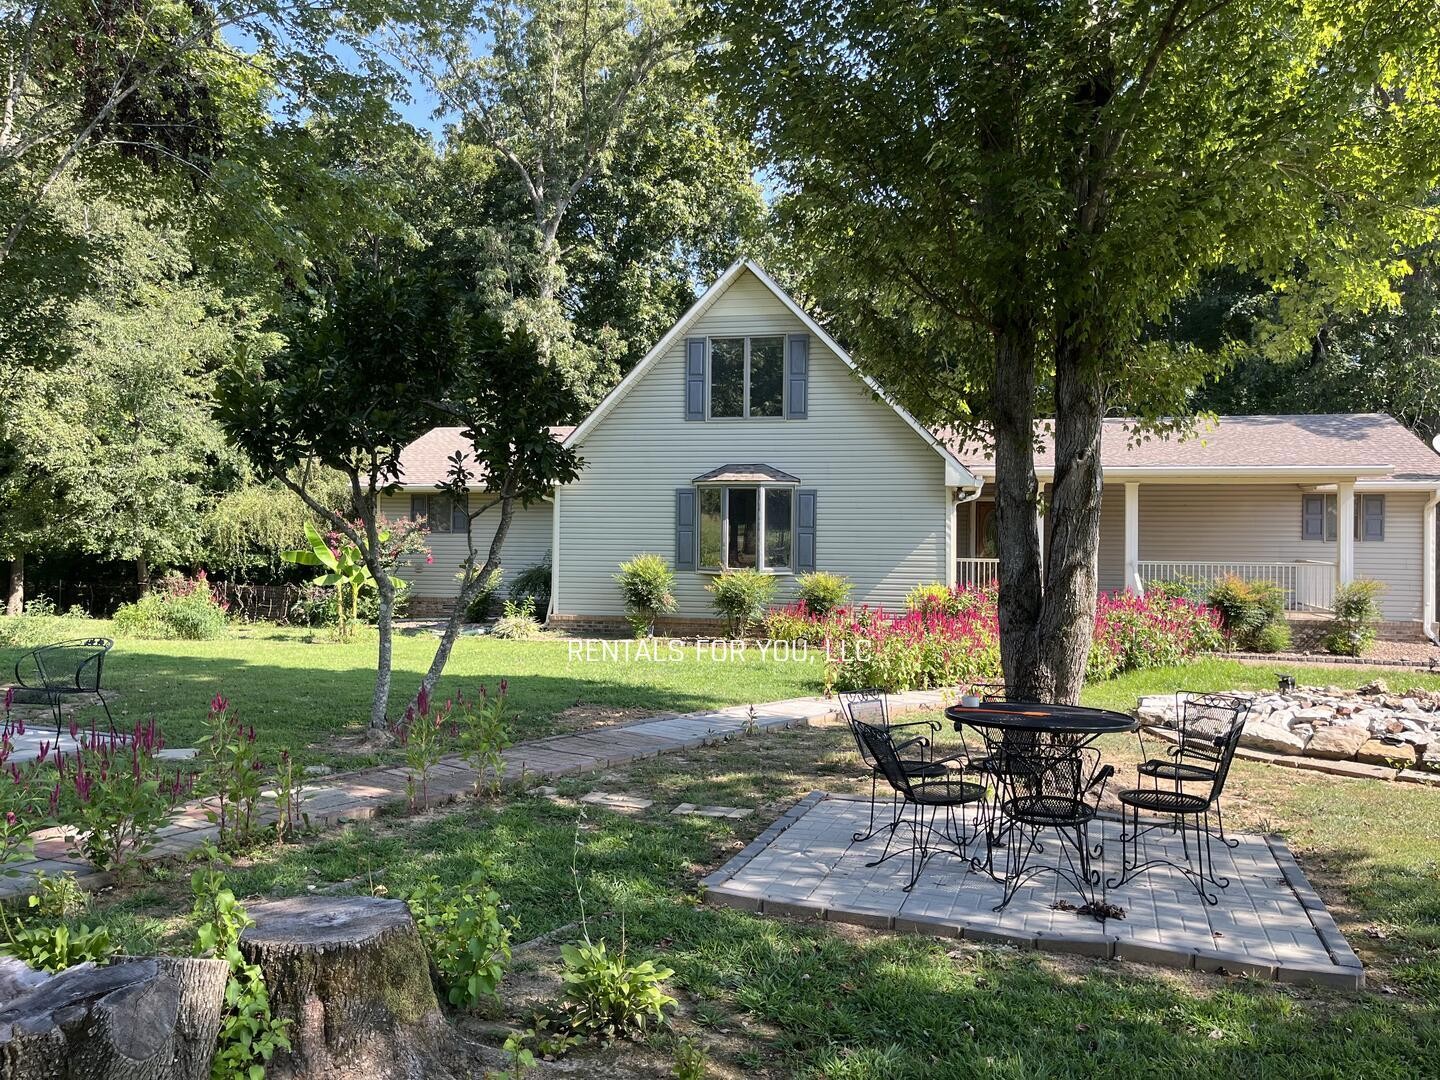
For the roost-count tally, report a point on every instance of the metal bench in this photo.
(66, 669)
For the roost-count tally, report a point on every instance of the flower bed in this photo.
(952, 637)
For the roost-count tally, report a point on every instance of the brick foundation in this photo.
(429, 607)
(1307, 631)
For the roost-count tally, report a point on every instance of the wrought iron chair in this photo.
(1002, 754)
(1203, 723)
(66, 669)
(1185, 812)
(1053, 785)
(872, 707)
(923, 799)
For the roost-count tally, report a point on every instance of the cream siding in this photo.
(1260, 523)
(881, 501)
(527, 543)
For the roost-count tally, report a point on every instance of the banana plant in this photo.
(344, 567)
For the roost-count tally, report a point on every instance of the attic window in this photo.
(747, 377)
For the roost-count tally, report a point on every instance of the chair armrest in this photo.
(933, 725)
(919, 740)
(1099, 779)
(34, 657)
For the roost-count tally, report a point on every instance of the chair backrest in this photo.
(78, 662)
(879, 747)
(1225, 754)
(1057, 769)
(1205, 721)
(870, 706)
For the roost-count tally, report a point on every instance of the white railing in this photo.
(976, 572)
(1308, 585)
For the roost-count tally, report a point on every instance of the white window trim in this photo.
(724, 487)
(745, 396)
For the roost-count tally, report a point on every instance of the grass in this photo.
(774, 997)
(313, 696)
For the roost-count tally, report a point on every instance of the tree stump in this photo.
(138, 1019)
(354, 976)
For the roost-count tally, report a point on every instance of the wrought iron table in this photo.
(1046, 777)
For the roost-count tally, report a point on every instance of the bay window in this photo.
(746, 527)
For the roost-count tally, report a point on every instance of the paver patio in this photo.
(1269, 923)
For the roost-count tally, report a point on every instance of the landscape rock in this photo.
(1276, 738)
(1337, 741)
(1380, 752)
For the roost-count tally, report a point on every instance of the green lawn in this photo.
(777, 998)
(314, 696)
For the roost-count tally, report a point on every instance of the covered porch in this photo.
(1306, 533)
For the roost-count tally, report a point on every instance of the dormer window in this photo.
(747, 377)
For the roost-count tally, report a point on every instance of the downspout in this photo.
(1427, 572)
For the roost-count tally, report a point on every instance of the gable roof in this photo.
(955, 472)
(426, 461)
(1371, 444)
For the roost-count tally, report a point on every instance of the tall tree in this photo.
(583, 104)
(999, 205)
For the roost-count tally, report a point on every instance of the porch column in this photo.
(1427, 562)
(1345, 532)
(1132, 539)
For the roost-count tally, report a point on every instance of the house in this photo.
(748, 437)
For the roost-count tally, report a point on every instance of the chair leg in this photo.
(870, 830)
(106, 706)
(1229, 841)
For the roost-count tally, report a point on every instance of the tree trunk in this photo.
(384, 661)
(134, 1019)
(1027, 676)
(142, 574)
(354, 976)
(452, 625)
(1067, 617)
(15, 598)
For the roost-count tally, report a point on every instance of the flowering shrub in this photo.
(231, 773)
(177, 607)
(117, 793)
(23, 807)
(425, 733)
(484, 731)
(951, 637)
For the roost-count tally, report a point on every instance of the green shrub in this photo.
(41, 624)
(928, 598)
(184, 608)
(647, 585)
(55, 948)
(1357, 611)
(742, 596)
(58, 896)
(606, 996)
(533, 583)
(469, 942)
(1273, 637)
(518, 622)
(1182, 588)
(483, 602)
(822, 592)
(1247, 609)
(320, 605)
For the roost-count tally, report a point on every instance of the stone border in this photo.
(1347, 972)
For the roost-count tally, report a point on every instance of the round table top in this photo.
(1035, 716)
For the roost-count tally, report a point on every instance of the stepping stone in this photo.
(712, 811)
(627, 804)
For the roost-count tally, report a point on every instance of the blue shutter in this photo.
(684, 528)
(797, 377)
(1312, 517)
(804, 531)
(694, 378)
(1373, 527)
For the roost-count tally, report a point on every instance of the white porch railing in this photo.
(1308, 585)
(976, 572)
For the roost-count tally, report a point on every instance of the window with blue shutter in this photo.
(797, 377)
(684, 528)
(804, 531)
(694, 378)
(1318, 515)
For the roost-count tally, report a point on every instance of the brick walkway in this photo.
(357, 796)
(1269, 923)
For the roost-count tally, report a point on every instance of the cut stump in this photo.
(353, 975)
(137, 1019)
